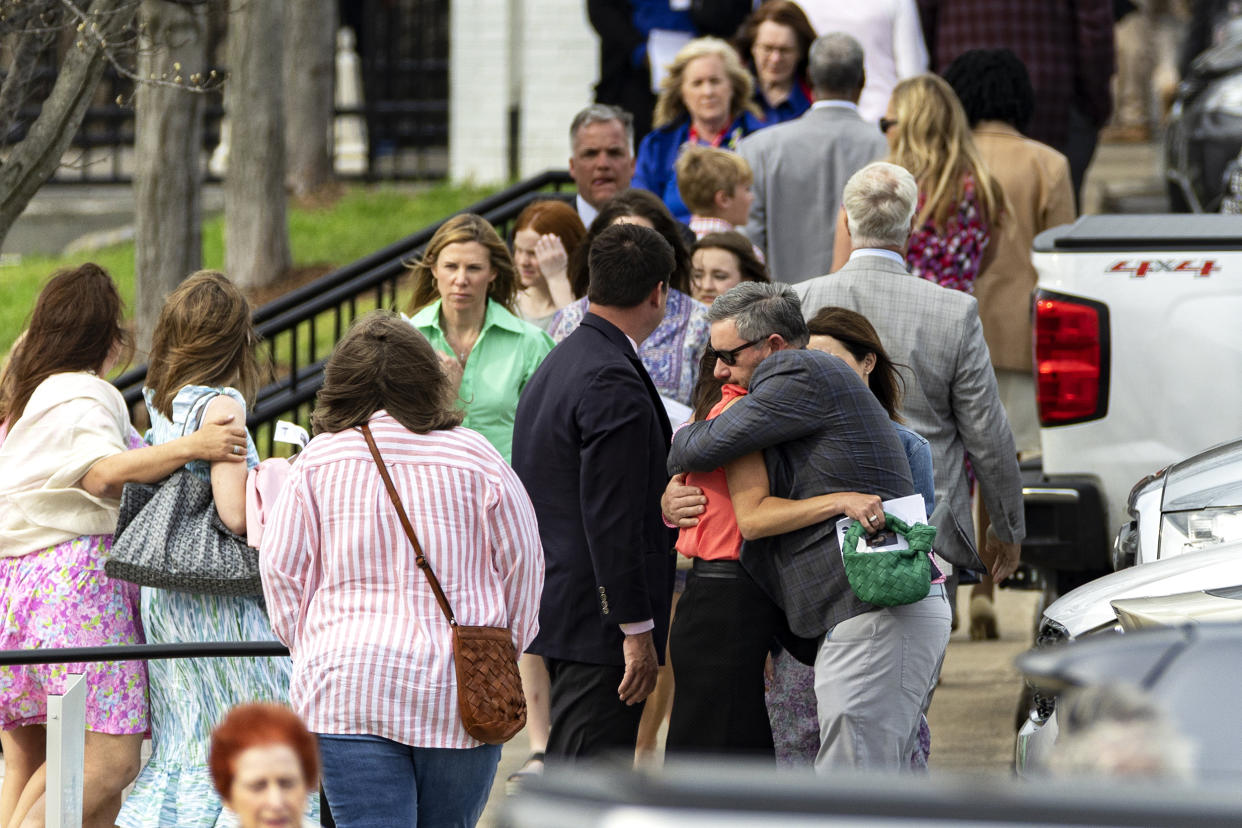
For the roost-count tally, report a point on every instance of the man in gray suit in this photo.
(821, 430)
(950, 389)
(801, 166)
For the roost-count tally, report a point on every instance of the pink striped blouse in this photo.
(372, 652)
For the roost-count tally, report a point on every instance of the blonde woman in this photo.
(960, 202)
(706, 99)
(465, 291)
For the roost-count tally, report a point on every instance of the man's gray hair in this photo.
(601, 114)
(879, 202)
(835, 65)
(760, 309)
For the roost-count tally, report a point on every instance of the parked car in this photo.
(1087, 612)
(1191, 506)
(1205, 126)
(1190, 672)
(719, 794)
(1203, 606)
(1135, 321)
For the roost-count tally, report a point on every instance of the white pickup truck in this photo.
(1138, 359)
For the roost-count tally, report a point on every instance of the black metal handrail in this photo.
(143, 652)
(300, 328)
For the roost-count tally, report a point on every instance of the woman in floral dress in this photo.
(63, 462)
(960, 203)
(202, 364)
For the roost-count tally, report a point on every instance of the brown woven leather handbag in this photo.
(489, 687)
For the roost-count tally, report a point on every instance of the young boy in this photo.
(715, 185)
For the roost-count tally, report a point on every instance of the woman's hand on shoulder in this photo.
(222, 437)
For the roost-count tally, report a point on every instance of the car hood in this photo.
(1089, 606)
(1210, 478)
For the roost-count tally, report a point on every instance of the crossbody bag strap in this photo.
(419, 557)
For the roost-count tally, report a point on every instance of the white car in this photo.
(1191, 506)
(1088, 611)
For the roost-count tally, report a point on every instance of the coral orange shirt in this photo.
(716, 537)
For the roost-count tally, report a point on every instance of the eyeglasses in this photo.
(886, 124)
(730, 357)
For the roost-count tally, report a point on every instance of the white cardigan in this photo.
(72, 421)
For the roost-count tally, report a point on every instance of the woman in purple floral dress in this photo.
(65, 441)
(960, 203)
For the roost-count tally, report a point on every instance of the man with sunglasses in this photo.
(821, 430)
(800, 166)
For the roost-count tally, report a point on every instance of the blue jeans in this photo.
(372, 781)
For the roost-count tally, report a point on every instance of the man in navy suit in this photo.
(590, 442)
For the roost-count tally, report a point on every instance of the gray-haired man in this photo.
(601, 139)
(821, 430)
(800, 166)
(950, 396)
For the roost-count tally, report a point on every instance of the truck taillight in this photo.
(1071, 358)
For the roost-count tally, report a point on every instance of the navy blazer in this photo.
(590, 441)
(821, 430)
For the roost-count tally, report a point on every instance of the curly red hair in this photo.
(256, 725)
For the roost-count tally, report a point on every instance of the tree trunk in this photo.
(168, 144)
(310, 42)
(256, 233)
(33, 161)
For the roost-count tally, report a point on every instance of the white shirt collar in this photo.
(585, 211)
(633, 344)
(835, 104)
(876, 251)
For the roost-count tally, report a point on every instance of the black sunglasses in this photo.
(730, 357)
(886, 124)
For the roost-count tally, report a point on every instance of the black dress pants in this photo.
(722, 633)
(588, 718)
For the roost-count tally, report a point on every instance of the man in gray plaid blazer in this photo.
(950, 388)
(821, 430)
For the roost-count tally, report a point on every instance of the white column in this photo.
(349, 131)
(66, 745)
(559, 58)
(480, 89)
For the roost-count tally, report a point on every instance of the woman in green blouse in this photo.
(464, 291)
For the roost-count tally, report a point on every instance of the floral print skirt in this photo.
(60, 597)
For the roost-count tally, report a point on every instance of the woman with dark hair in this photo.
(345, 594)
(68, 449)
(264, 763)
(721, 260)
(851, 337)
(774, 41)
(202, 363)
(704, 99)
(465, 286)
(671, 353)
(996, 94)
(545, 236)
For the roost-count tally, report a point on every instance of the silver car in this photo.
(1190, 506)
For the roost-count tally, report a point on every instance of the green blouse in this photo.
(504, 357)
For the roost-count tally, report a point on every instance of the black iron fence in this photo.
(403, 62)
(300, 328)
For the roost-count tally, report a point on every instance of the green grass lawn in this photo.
(363, 220)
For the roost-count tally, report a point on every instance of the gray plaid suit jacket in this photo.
(821, 430)
(950, 391)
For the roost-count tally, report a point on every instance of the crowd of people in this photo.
(626, 434)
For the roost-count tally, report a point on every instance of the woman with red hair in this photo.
(264, 763)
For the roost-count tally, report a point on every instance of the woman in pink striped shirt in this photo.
(372, 652)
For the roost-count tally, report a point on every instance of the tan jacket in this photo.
(1036, 181)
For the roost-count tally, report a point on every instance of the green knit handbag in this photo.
(894, 577)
